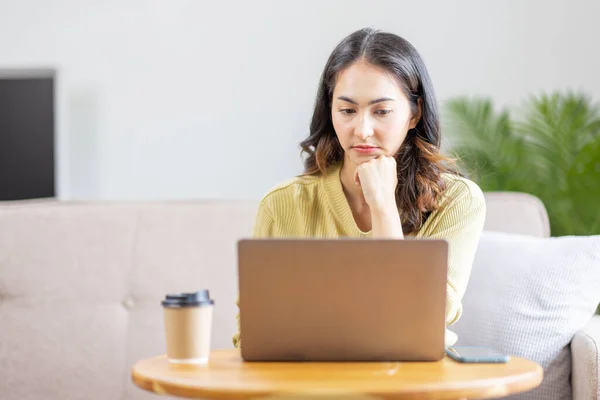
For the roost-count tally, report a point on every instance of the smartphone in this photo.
(475, 354)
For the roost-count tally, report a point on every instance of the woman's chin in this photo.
(362, 158)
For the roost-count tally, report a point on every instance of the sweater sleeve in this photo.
(460, 223)
(264, 223)
(263, 227)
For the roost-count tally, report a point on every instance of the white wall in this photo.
(175, 99)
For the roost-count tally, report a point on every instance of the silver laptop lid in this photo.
(342, 299)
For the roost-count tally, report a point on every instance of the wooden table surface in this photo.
(227, 376)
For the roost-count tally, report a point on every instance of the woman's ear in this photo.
(416, 116)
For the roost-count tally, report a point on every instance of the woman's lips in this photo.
(365, 149)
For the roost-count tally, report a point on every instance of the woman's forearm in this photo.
(386, 223)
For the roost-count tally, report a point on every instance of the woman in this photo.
(374, 167)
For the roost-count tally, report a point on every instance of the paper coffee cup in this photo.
(188, 327)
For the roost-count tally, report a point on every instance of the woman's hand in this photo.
(378, 179)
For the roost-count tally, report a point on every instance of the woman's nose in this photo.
(364, 128)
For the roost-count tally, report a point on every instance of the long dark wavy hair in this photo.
(420, 164)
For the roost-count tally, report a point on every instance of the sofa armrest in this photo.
(585, 360)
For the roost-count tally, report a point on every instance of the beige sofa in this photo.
(81, 283)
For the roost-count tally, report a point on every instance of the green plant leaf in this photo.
(556, 127)
(550, 150)
(485, 144)
(584, 188)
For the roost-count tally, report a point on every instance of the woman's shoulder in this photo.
(462, 203)
(461, 189)
(291, 189)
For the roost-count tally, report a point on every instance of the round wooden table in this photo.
(227, 376)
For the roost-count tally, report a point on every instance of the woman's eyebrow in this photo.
(379, 100)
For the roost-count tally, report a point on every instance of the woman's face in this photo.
(371, 115)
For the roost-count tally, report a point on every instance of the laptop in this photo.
(343, 299)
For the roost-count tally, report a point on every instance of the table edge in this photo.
(519, 384)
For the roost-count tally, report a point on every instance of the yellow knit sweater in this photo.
(316, 206)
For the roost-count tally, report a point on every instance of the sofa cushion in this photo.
(81, 285)
(528, 297)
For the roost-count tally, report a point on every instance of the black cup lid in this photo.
(193, 299)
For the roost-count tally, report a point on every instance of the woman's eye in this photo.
(347, 111)
(383, 112)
